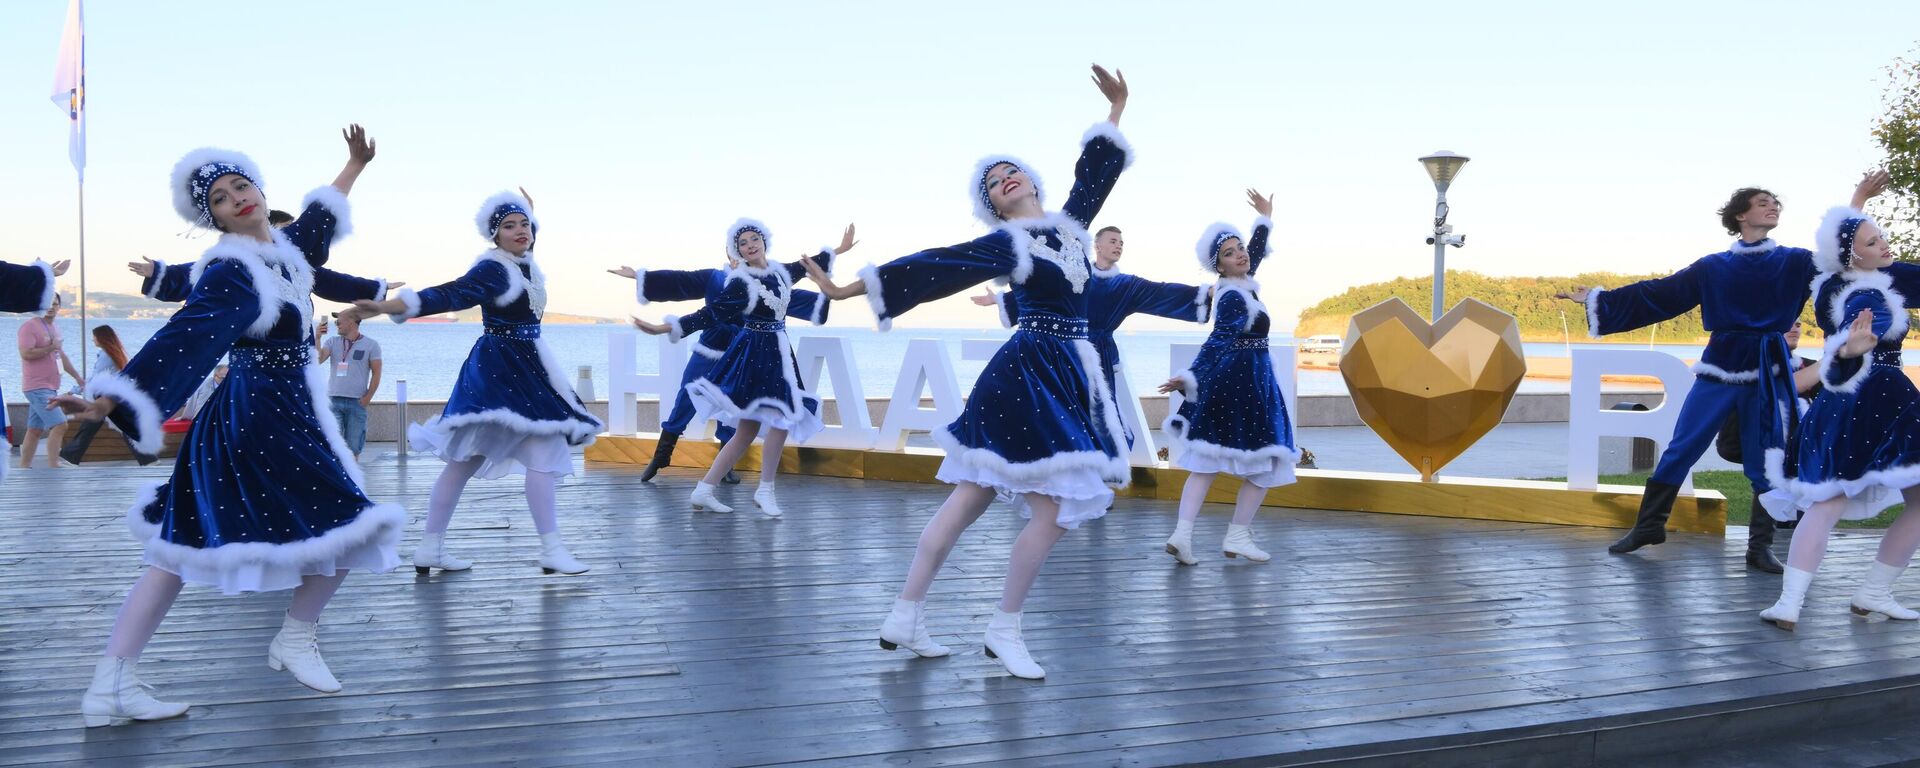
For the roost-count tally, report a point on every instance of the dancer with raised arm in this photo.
(1234, 418)
(1041, 424)
(755, 383)
(512, 410)
(226, 517)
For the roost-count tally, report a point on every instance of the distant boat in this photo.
(433, 319)
(1322, 343)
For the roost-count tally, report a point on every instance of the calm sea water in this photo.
(428, 356)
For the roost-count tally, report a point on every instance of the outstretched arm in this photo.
(1114, 87)
(1870, 187)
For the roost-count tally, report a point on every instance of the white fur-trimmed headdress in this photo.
(497, 208)
(193, 179)
(1833, 241)
(982, 204)
(744, 224)
(1208, 247)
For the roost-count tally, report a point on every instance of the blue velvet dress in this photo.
(757, 377)
(1234, 418)
(1861, 437)
(1041, 418)
(264, 490)
(512, 404)
(705, 285)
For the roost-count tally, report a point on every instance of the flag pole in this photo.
(84, 359)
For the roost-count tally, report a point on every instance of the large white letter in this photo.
(855, 429)
(925, 365)
(624, 383)
(1588, 420)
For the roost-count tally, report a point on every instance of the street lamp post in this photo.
(1442, 166)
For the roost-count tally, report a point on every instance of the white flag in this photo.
(70, 86)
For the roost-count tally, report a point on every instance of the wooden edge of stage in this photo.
(1522, 501)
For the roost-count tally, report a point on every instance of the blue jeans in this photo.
(353, 422)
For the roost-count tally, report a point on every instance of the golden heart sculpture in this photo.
(1431, 391)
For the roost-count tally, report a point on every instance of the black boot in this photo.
(1760, 540)
(662, 453)
(1656, 504)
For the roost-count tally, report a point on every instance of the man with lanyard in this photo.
(352, 363)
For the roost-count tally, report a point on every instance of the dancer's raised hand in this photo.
(1576, 295)
(145, 267)
(527, 197)
(626, 272)
(651, 329)
(360, 149)
(1114, 87)
(1860, 336)
(60, 267)
(846, 241)
(1261, 203)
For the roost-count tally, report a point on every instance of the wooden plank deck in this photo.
(703, 639)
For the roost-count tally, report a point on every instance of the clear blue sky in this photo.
(1602, 135)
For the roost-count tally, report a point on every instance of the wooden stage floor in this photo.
(702, 639)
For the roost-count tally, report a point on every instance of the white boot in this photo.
(703, 500)
(555, 557)
(1876, 594)
(907, 627)
(432, 553)
(1180, 544)
(1239, 543)
(117, 695)
(1005, 643)
(297, 650)
(1793, 592)
(769, 505)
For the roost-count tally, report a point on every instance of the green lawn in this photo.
(1733, 485)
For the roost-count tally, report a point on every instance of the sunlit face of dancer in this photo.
(515, 235)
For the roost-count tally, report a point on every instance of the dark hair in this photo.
(1104, 230)
(279, 218)
(109, 342)
(1741, 202)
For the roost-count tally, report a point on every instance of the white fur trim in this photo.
(1113, 271)
(261, 260)
(707, 352)
(1266, 247)
(575, 432)
(674, 331)
(1101, 399)
(1874, 280)
(1813, 289)
(380, 289)
(153, 286)
(48, 292)
(640, 286)
(870, 276)
(832, 259)
(984, 212)
(1036, 473)
(146, 412)
(335, 202)
(1764, 246)
(498, 199)
(375, 522)
(517, 283)
(1852, 383)
(1593, 311)
(184, 170)
(1246, 287)
(1000, 309)
(1866, 495)
(733, 235)
(408, 297)
(1718, 373)
(1826, 239)
(557, 378)
(1204, 250)
(819, 314)
(1020, 231)
(1201, 299)
(1107, 130)
(776, 298)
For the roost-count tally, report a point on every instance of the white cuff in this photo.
(1110, 132)
(1203, 298)
(1189, 387)
(870, 274)
(47, 292)
(412, 300)
(159, 277)
(674, 331)
(1593, 311)
(1853, 380)
(380, 292)
(1000, 307)
(146, 413)
(335, 202)
(640, 286)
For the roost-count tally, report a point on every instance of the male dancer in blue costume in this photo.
(1748, 296)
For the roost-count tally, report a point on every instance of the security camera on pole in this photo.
(1442, 166)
